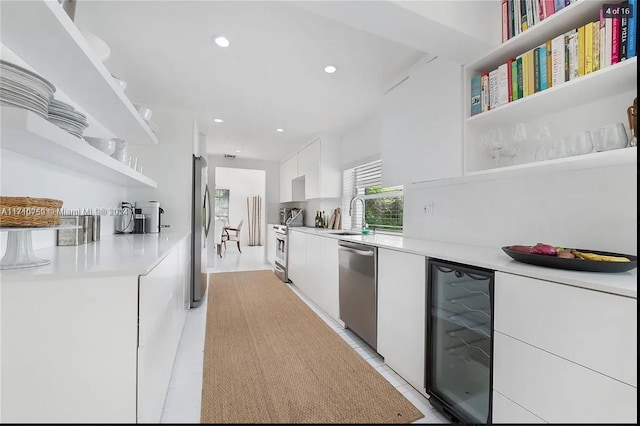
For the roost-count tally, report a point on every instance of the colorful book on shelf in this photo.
(493, 89)
(476, 95)
(536, 69)
(588, 47)
(517, 20)
(531, 72)
(596, 45)
(530, 22)
(510, 79)
(542, 55)
(484, 80)
(548, 8)
(557, 61)
(608, 37)
(549, 61)
(520, 82)
(632, 29)
(567, 56)
(580, 42)
(623, 32)
(572, 37)
(525, 75)
(615, 40)
(510, 17)
(505, 20)
(558, 5)
(514, 79)
(502, 85)
(523, 15)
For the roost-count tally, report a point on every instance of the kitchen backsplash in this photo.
(591, 208)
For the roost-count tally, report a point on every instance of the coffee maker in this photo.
(125, 221)
(285, 214)
(150, 212)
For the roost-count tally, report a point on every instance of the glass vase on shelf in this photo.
(542, 139)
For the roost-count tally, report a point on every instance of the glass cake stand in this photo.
(19, 252)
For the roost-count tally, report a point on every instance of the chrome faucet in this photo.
(353, 200)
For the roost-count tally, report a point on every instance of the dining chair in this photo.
(219, 235)
(233, 237)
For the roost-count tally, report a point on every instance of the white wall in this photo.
(592, 209)
(242, 183)
(25, 176)
(170, 163)
(362, 142)
(272, 173)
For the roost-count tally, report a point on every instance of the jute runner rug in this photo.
(269, 359)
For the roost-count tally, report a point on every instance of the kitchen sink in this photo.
(345, 233)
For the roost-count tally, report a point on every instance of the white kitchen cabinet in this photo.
(271, 244)
(401, 313)
(422, 125)
(593, 329)
(288, 172)
(94, 347)
(506, 411)
(162, 316)
(297, 258)
(313, 261)
(556, 389)
(316, 174)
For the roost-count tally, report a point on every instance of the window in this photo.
(383, 207)
(221, 199)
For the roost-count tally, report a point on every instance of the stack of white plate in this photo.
(21, 88)
(67, 118)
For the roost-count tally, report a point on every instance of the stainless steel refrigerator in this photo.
(200, 224)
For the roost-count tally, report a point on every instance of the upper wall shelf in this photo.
(615, 79)
(29, 134)
(42, 34)
(560, 22)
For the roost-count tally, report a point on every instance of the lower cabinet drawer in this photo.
(594, 329)
(557, 390)
(506, 411)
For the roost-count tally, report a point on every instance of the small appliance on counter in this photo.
(296, 218)
(151, 211)
(125, 221)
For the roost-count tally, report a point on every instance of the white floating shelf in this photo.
(44, 36)
(29, 134)
(608, 81)
(567, 18)
(611, 158)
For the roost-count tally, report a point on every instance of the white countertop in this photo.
(623, 284)
(113, 255)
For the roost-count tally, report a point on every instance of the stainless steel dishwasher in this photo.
(359, 289)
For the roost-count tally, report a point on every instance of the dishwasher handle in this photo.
(369, 253)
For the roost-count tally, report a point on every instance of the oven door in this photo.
(281, 249)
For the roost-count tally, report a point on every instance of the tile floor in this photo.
(184, 396)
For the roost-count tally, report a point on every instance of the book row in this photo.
(519, 15)
(568, 56)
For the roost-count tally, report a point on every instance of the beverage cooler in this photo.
(460, 341)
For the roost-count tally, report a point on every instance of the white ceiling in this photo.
(271, 76)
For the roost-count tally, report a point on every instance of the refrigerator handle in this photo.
(207, 205)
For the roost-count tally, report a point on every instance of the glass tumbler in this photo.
(579, 143)
(611, 136)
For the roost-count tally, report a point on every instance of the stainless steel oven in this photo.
(282, 247)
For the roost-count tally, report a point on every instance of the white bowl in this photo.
(144, 112)
(99, 47)
(108, 146)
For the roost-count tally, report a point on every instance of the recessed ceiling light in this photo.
(330, 69)
(221, 41)
(279, 130)
(238, 151)
(218, 120)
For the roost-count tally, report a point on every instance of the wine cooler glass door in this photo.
(459, 340)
